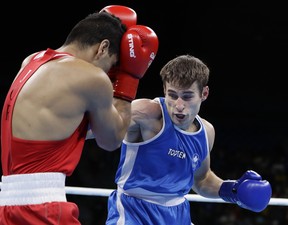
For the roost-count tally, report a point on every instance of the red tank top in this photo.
(25, 156)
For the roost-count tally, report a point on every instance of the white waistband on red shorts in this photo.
(33, 188)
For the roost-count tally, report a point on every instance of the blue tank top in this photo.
(165, 164)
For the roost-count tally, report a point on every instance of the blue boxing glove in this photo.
(249, 192)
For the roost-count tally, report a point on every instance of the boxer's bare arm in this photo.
(146, 120)
(109, 117)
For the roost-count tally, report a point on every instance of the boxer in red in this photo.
(55, 97)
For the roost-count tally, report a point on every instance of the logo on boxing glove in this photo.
(131, 46)
(152, 57)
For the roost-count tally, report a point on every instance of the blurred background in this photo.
(245, 45)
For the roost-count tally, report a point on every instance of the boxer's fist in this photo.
(127, 15)
(139, 46)
(249, 192)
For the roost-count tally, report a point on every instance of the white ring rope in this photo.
(190, 197)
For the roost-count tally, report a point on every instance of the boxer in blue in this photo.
(166, 153)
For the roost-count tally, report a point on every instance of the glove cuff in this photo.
(125, 87)
(228, 192)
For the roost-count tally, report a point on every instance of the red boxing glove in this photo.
(127, 15)
(139, 47)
